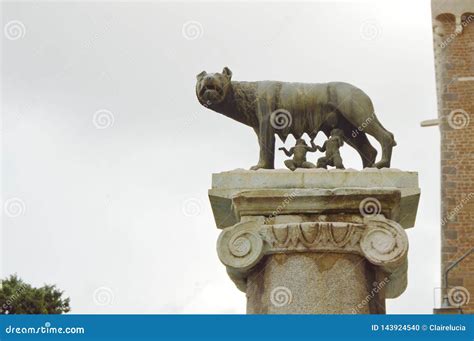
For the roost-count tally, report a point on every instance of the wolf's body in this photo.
(281, 108)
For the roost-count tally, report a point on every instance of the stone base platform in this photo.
(315, 241)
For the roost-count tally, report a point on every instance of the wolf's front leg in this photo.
(266, 140)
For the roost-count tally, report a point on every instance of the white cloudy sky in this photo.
(113, 208)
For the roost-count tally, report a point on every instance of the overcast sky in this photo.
(108, 155)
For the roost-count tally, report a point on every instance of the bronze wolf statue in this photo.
(272, 107)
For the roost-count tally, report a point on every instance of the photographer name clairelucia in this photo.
(447, 327)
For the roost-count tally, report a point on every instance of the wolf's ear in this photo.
(202, 74)
(226, 72)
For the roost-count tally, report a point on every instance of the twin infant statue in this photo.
(330, 147)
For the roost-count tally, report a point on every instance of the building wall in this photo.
(453, 27)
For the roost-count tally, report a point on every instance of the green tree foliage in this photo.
(17, 297)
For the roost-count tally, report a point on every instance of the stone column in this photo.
(315, 241)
